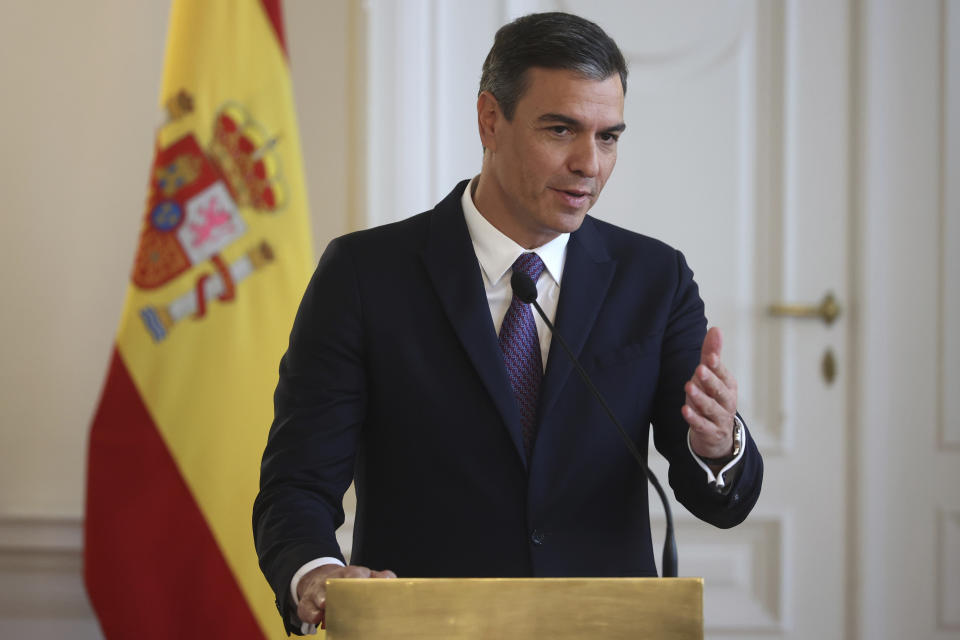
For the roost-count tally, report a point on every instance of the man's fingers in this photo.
(313, 586)
(696, 420)
(705, 405)
(354, 571)
(720, 370)
(311, 608)
(726, 376)
(711, 400)
(383, 574)
(705, 438)
(708, 382)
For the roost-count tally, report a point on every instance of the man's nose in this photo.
(585, 158)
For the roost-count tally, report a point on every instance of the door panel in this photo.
(737, 153)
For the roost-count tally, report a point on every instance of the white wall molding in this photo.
(399, 107)
(41, 564)
(746, 571)
(766, 357)
(41, 533)
(949, 347)
(665, 51)
(948, 564)
(421, 106)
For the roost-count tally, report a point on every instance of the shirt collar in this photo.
(497, 252)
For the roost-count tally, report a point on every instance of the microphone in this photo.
(526, 291)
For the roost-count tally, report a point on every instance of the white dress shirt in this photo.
(496, 254)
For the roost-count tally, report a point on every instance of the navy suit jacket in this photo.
(394, 379)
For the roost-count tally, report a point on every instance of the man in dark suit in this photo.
(413, 370)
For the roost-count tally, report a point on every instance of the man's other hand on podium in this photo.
(312, 589)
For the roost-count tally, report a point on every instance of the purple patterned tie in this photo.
(521, 352)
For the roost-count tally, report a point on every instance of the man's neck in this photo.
(490, 203)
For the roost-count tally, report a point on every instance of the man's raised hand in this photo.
(711, 401)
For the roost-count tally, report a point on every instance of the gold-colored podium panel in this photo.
(485, 608)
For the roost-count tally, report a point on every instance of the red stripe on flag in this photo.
(152, 566)
(274, 11)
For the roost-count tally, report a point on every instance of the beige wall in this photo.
(80, 84)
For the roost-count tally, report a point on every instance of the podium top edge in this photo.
(678, 581)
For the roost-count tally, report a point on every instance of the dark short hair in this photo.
(553, 41)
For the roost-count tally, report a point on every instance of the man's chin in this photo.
(570, 220)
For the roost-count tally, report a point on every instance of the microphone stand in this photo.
(524, 286)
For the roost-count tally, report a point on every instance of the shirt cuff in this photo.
(718, 479)
(307, 628)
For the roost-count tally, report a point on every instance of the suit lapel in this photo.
(587, 273)
(453, 268)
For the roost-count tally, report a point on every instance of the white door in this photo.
(737, 152)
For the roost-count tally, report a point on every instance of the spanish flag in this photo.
(224, 255)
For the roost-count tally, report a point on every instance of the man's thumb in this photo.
(712, 343)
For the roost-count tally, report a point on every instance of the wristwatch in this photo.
(737, 445)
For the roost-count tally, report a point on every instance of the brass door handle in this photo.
(828, 310)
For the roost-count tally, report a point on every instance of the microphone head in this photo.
(523, 287)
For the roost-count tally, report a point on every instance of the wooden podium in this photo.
(521, 608)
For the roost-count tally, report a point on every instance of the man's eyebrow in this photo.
(559, 117)
(573, 122)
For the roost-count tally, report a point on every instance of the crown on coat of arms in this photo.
(243, 154)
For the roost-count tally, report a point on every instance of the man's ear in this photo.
(488, 119)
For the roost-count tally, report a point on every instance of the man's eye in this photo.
(609, 137)
(560, 129)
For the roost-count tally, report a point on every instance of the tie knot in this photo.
(530, 264)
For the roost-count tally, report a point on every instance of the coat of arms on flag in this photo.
(193, 212)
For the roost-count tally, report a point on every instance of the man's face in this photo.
(543, 170)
